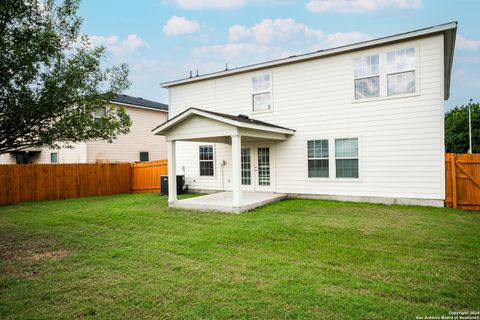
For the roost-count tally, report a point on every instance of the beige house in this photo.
(138, 145)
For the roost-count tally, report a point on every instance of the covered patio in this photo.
(197, 125)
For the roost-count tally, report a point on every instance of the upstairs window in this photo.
(206, 161)
(317, 158)
(100, 113)
(346, 158)
(401, 71)
(367, 77)
(261, 92)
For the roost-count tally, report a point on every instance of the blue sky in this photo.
(164, 39)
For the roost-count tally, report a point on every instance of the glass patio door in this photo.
(257, 168)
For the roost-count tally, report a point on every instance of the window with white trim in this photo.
(261, 92)
(144, 156)
(317, 153)
(206, 161)
(100, 113)
(346, 158)
(367, 77)
(54, 157)
(401, 71)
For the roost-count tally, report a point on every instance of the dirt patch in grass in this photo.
(53, 255)
(21, 255)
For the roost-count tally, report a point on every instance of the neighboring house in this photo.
(138, 145)
(361, 122)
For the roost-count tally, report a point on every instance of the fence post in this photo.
(454, 179)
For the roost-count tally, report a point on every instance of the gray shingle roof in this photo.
(242, 118)
(123, 98)
(239, 118)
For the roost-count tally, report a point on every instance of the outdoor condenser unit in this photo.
(164, 184)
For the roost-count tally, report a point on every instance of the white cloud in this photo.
(267, 40)
(213, 58)
(338, 39)
(344, 6)
(268, 31)
(208, 4)
(180, 26)
(463, 43)
(119, 48)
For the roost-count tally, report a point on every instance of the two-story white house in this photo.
(361, 122)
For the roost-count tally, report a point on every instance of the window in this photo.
(144, 156)
(401, 71)
(21, 158)
(54, 157)
(317, 158)
(261, 92)
(346, 158)
(367, 77)
(100, 113)
(206, 160)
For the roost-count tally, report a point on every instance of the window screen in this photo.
(317, 152)
(206, 160)
(367, 77)
(346, 158)
(401, 71)
(261, 92)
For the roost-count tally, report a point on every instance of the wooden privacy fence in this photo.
(146, 175)
(37, 182)
(462, 181)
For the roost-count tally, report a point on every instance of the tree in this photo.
(456, 129)
(51, 79)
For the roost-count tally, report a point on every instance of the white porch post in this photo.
(236, 170)
(172, 173)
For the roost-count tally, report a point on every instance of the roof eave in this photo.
(444, 28)
(138, 106)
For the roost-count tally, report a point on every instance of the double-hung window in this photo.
(367, 77)
(100, 113)
(317, 158)
(401, 71)
(206, 161)
(346, 158)
(262, 92)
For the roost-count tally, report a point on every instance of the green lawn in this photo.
(129, 256)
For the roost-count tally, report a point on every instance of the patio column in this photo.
(236, 169)
(172, 172)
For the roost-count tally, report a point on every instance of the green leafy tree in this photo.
(51, 79)
(456, 129)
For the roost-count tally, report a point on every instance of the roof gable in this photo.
(238, 121)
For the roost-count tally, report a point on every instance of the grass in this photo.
(129, 256)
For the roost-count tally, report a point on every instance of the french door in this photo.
(257, 167)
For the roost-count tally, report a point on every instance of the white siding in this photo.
(126, 148)
(401, 153)
(7, 158)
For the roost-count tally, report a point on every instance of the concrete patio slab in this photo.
(222, 201)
